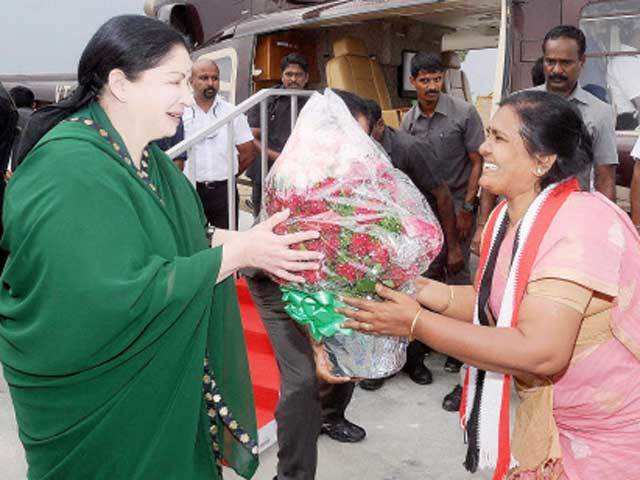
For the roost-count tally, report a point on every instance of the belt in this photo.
(213, 184)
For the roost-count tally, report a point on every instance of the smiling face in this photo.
(157, 98)
(508, 168)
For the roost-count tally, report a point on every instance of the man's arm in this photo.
(246, 155)
(464, 218)
(605, 153)
(447, 214)
(271, 154)
(487, 203)
(605, 181)
(244, 143)
(473, 138)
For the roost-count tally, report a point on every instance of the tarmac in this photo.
(409, 436)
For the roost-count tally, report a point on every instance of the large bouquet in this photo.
(375, 226)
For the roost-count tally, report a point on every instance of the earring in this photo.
(539, 171)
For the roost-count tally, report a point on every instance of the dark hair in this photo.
(426, 62)
(537, 72)
(550, 125)
(375, 112)
(356, 105)
(567, 31)
(22, 96)
(132, 43)
(294, 59)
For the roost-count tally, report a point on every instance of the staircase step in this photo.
(257, 342)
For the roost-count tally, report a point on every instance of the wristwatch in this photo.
(468, 207)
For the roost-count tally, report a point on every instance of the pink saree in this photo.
(585, 423)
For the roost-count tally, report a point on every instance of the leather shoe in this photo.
(452, 365)
(371, 384)
(419, 373)
(451, 402)
(343, 431)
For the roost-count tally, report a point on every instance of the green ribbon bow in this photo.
(316, 310)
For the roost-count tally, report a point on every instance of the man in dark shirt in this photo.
(415, 157)
(8, 133)
(168, 142)
(306, 407)
(454, 128)
(295, 76)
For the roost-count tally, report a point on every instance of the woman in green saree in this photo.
(112, 298)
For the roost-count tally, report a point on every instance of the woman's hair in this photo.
(551, 125)
(131, 43)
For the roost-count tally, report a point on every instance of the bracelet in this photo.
(413, 324)
(449, 303)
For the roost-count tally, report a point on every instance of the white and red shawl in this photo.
(484, 410)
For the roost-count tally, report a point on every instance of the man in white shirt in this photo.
(207, 164)
(635, 186)
(623, 72)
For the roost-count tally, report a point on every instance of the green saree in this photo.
(108, 307)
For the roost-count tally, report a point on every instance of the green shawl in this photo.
(108, 304)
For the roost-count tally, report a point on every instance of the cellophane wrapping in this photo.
(374, 224)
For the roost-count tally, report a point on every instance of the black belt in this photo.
(214, 184)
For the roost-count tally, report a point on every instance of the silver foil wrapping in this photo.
(362, 355)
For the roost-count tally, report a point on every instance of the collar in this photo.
(579, 94)
(442, 107)
(214, 106)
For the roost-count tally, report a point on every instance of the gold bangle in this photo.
(413, 324)
(449, 303)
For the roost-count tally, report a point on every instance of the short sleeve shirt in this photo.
(279, 125)
(208, 158)
(454, 130)
(414, 157)
(598, 117)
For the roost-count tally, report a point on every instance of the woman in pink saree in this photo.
(555, 307)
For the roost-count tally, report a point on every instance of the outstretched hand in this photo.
(392, 317)
(272, 252)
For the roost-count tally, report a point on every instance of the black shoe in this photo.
(371, 384)
(451, 402)
(344, 431)
(452, 365)
(419, 373)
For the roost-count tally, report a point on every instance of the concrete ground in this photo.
(409, 436)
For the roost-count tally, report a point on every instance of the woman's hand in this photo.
(392, 317)
(270, 252)
(324, 366)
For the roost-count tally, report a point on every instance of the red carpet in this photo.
(262, 363)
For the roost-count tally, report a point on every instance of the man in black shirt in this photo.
(306, 407)
(415, 158)
(295, 76)
(8, 132)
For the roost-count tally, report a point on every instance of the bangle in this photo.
(413, 324)
(449, 303)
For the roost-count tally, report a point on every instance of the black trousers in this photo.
(215, 202)
(305, 402)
